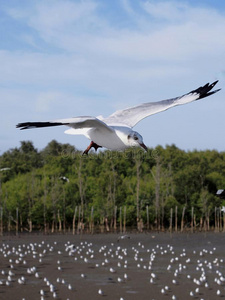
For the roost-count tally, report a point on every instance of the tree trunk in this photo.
(74, 220)
(106, 224)
(30, 225)
(171, 220)
(124, 220)
(114, 195)
(147, 213)
(215, 219)
(121, 228)
(192, 218)
(223, 221)
(29, 214)
(44, 206)
(182, 219)
(138, 164)
(176, 219)
(60, 222)
(9, 222)
(53, 221)
(17, 221)
(157, 192)
(202, 224)
(92, 220)
(64, 211)
(208, 223)
(81, 191)
(1, 221)
(115, 218)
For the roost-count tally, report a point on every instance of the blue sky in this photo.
(66, 58)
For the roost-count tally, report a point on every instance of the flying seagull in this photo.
(115, 132)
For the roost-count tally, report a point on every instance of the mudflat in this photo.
(112, 266)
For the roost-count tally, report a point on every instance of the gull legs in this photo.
(92, 144)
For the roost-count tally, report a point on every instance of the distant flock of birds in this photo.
(205, 270)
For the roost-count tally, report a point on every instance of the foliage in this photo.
(162, 179)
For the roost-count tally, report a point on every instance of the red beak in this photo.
(143, 146)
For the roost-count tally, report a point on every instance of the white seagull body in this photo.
(115, 132)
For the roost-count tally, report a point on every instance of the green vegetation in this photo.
(109, 189)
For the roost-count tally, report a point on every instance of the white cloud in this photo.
(78, 28)
(167, 11)
(128, 8)
(53, 15)
(53, 20)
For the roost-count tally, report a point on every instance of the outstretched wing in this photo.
(131, 116)
(80, 125)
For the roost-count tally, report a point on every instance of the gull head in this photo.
(135, 140)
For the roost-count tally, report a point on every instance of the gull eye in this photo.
(135, 138)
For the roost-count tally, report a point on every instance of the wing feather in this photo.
(131, 116)
(79, 123)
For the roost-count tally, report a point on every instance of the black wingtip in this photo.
(26, 125)
(30, 125)
(22, 126)
(214, 83)
(204, 91)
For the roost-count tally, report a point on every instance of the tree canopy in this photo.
(51, 185)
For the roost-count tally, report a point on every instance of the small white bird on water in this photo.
(115, 132)
(100, 292)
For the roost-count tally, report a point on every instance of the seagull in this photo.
(116, 131)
